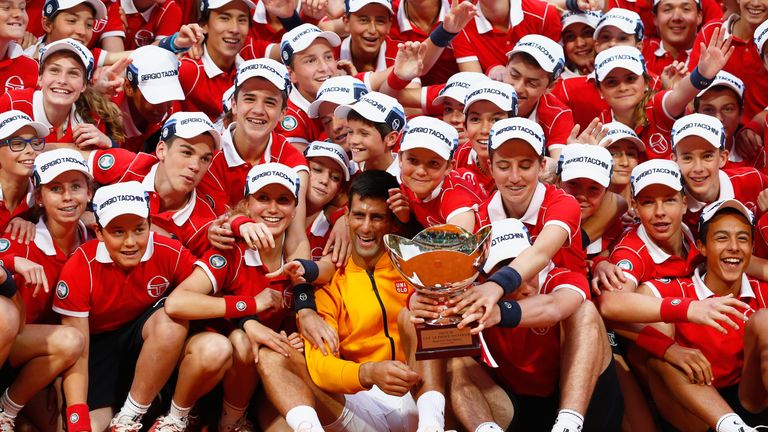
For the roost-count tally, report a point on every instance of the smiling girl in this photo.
(16, 70)
(627, 151)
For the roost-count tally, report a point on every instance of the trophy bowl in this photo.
(440, 262)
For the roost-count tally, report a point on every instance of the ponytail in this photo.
(92, 102)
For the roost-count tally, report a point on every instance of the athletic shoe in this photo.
(168, 424)
(124, 424)
(6, 423)
(241, 425)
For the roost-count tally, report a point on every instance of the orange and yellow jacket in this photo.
(362, 307)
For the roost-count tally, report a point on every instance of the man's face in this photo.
(700, 164)
(729, 246)
(311, 67)
(369, 220)
(126, 238)
(258, 107)
(660, 209)
(677, 21)
(152, 113)
(531, 82)
(186, 161)
(227, 28)
(723, 103)
(368, 28)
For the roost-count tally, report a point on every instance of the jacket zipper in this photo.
(383, 314)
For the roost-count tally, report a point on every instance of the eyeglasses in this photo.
(18, 144)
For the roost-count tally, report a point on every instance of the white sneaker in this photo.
(124, 424)
(6, 423)
(306, 427)
(168, 424)
(241, 425)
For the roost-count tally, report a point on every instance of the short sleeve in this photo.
(73, 291)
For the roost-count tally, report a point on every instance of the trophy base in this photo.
(445, 341)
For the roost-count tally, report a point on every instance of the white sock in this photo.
(132, 409)
(302, 414)
(230, 414)
(431, 407)
(568, 421)
(489, 427)
(730, 422)
(9, 407)
(177, 413)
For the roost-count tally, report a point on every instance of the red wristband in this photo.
(239, 222)
(395, 82)
(408, 299)
(675, 309)
(239, 306)
(653, 341)
(78, 418)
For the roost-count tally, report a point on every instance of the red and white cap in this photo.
(501, 94)
(458, 85)
(706, 127)
(431, 134)
(519, 128)
(301, 37)
(340, 90)
(272, 173)
(51, 7)
(329, 150)
(155, 71)
(51, 164)
(586, 161)
(119, 199)
(656, 171)
(617, 131)
(13, 120)
(547, 53)
(509, 237)
(623, 57)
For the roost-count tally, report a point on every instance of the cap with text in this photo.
(517, 128)
(619, 57)
(712, 209)
(501, 94)
(378, 108)
(726, 79)
(51, 164)
(617, 131)
(706, 127)
(52, 7)
(656, 171)
(625, 20)
(271, 70)
(509, 237)
(458, 85)
(13, 120)
(547, 53)
(155, 71)
(126, 198)
(340, 90)
(71, 45)
(431, 134)
(586, 161)
(188, 125)
(301, 37)
(329, 150)
(761, 36)
(272, 173)
(588, 18)
(353, 6)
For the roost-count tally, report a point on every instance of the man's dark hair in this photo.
(704, 228)
(382, 128)
(372, 184)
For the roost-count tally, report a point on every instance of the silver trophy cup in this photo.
(440, 262)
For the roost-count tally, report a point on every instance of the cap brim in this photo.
(41, 131)
(691, 133)
(736, 205)
(383, 3)
(419, 143)
(162, 92)
(569, 174)
(124, 210)
(624, 29)
(637, 142)
(536, 54)
(99, 7)
(365, 111)
(676, 187)
(340, 163)
(633, 67)
(573, 19)
(721, 84)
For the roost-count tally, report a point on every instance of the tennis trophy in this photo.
(441, 262)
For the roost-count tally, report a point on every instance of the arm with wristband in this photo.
(75, 381)
(454, 21)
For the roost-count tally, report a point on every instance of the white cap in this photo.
(625, 57)
(206, 5)
(509, 237)
(329, 150)
(51, 164)
(13, 120)
(119, 199)
(589, 18)
(376, 107)
(704, 126)
(656, 2)
(517, 128)
(431, 134)
(353, 6)
(226, 99)
(155, 71)
(301, 37)
(625, 20)
(69, 44)
(712, 209)
(341, 90)
(656, 171)
(271, 70)
(617, 131)
(586, 161)
(726, 79)
(457, 86)
(51, 7)
(272, 173)
(501, 94)
(547, 53)
(761, 35)
(189, 125)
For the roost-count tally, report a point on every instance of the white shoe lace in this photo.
(6, 423)
(124, 424)
(167, 424)
(241, 425)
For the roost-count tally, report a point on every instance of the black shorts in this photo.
(112, 360)
(604, 414)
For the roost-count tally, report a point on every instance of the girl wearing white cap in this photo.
(335, 91)
(240, 274)
(63, 189)
(627, 151)
(625, 85)
(66, 103)
(16, 70)
(21, 140)
(578, 42)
